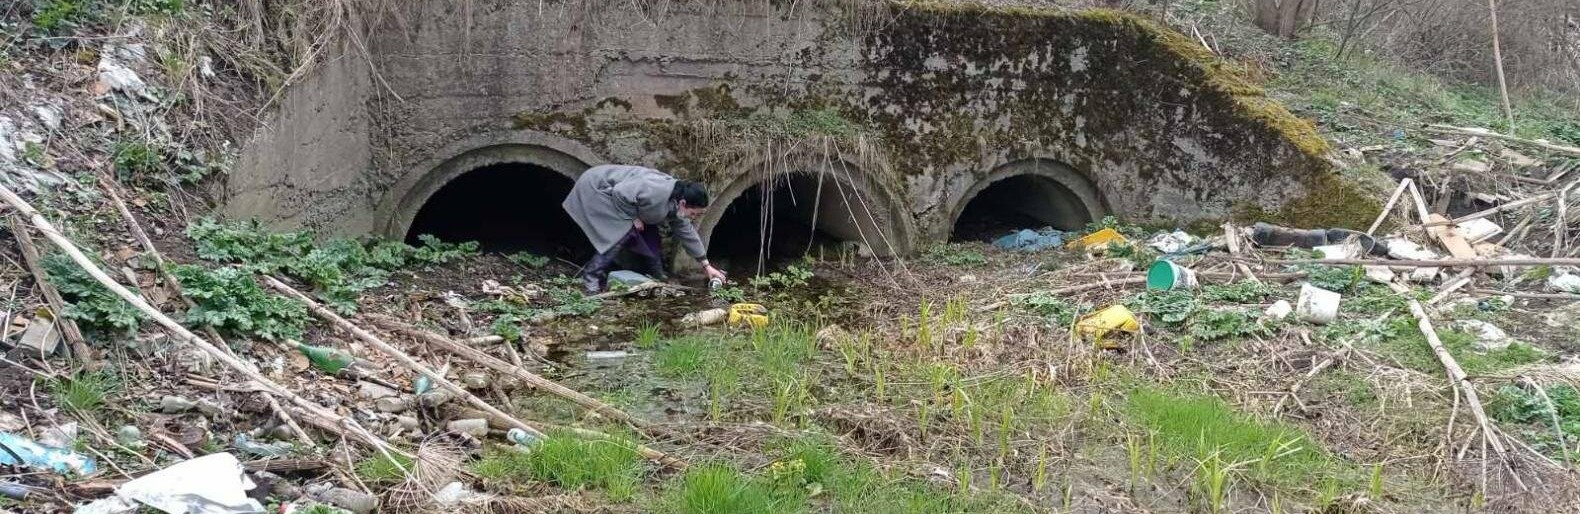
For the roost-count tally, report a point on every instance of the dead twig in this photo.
(68, 328)
(323, 418)
(1481, 132)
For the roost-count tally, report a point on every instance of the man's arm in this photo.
(686, 233)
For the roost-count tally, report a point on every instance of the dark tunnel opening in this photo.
(796, 214)
(508, 207)
(1020, 202)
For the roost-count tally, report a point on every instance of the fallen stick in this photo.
(1404, 185)
(1494, 210)
(1561, 224)
(1445, 263)
(138, 233)
(1232, 239)
(1538, 296)
(1294, 390)
(314, 413)
(490, 362)
(68, 328)
(1472, 131)
(1457, 377)
(399, 356)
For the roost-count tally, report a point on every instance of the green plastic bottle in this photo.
(329, 360)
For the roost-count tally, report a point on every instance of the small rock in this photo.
(1423, 275)
(409, 423)
(433, 399)
(372, 391)
(355, 501)
(171, 404)
(1517, 159)
(476, 380)
(1568, 283)
(393, 404)
(1279, 310)
(1488, 336)
(476, 427)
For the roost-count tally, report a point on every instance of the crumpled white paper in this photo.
(211, 484)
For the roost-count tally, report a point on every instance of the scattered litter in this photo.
(455, 494)
(1379, 274)
(1488, 336)
(211, 484)
(114, 76)
(607, 354)
(476, 380)
(372, 391)
(1172, 242)
(1266, 234)
(521, 437)
(1113, 318)
(1027, 240)
(475, 427)
(48, 115)
(58, 436)
(14, 491)
(35, 455)
(1479, 229)
(705, 318)
(1165, 275)
(628, 278)
(1099, 240)
(1567, 282)
(1278, 310)
(172, 404)
(1347, 250)
(393, 404)
(41, 337)
(1473, 166)
(1400, 248)
(748, 315)
(129, 436)
(247, 445)
(1317, 305)
(328, 360)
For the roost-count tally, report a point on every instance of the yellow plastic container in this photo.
(1112, 319)
(1098, 239)
(748, 315)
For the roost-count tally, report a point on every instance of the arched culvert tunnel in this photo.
(1026, 195)
(778, 220)
(506, 207)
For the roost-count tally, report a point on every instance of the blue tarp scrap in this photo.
(1028, 240)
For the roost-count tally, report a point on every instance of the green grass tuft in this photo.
(84, 392)
(613, 467)
(385, 469)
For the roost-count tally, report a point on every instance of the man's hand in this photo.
(639, 225)
(714, 272)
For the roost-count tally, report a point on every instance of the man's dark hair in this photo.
(692, 192)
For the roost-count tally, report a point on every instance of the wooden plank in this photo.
(1448, 236)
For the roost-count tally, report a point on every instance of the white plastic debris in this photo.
(1479, 229)
(1278, 310)
(114, 76)
(1317, 305)
(454, 494)
(1170, 242)
(1400, 248)
(1488, 336)
(1339, 251)
(1379, 274)
(211, 484)
(609, 354)
(49, 115)
(705, 318)
(1568, 283)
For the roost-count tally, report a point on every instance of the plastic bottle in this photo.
(715, 283)
(330, 360)
(521, 437)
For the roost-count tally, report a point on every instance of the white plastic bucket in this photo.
(1317, 305)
